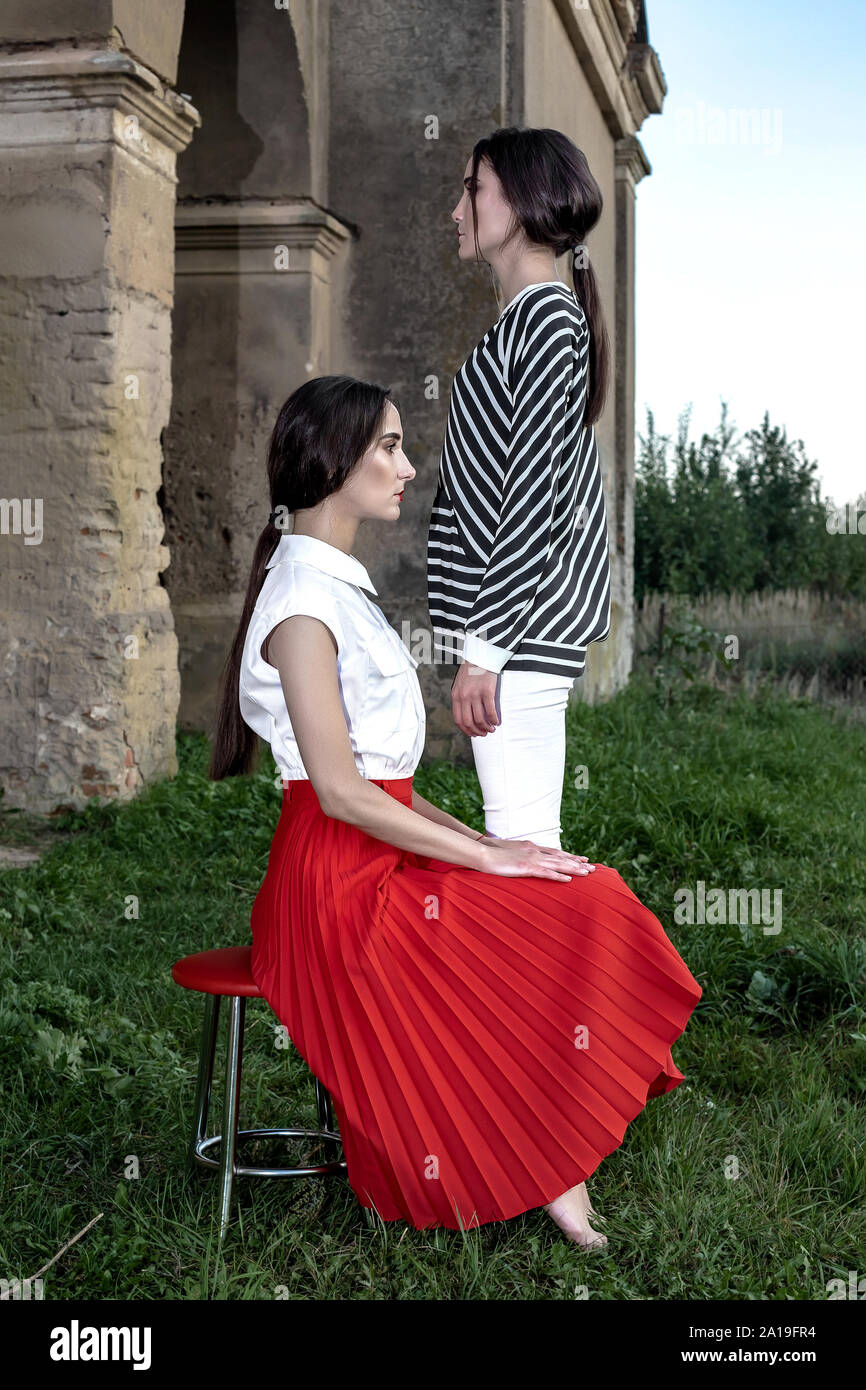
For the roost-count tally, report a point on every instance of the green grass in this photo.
(99, 1046)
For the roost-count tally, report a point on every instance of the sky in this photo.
(750, 274)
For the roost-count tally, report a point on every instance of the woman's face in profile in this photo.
(493, 213)
(374, 488)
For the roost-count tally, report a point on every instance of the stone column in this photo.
(253, 321)
(631, 166)
(260, 247)
(89, 677)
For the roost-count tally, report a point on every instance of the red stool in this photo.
(226, 974)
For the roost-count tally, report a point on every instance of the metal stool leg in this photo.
(325, 1112)
(207, 1052)
(202, 1146)
(234, 1061)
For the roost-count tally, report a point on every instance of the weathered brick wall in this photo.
(89, 674)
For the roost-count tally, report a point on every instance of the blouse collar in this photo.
(322, 556)
(536, 284)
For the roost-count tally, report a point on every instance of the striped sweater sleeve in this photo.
(542, 348)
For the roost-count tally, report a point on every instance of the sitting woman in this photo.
(488, 1015)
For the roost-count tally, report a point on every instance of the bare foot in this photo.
(571, 1212)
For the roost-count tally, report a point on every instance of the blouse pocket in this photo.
(393, 707)
(388, 657)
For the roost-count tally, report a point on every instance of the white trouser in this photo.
(522, 763)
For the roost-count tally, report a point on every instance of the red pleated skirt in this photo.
(485, 1040)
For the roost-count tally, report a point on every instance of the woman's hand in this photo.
(522, 858)
(473, 700)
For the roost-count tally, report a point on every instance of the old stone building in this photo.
(205, 203)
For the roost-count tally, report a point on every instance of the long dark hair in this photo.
(556, 202)
(322, 432)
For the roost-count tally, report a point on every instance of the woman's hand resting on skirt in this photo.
(523, 858)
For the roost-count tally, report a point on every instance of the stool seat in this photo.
(225, 971)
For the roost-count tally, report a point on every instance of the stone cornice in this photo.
(630, 159)
(223, 237)
(625, 76)
(645, 69)
(39, 83)
(627, 14)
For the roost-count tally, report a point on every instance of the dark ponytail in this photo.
(556, 202)
(586, 289)
(322, 432)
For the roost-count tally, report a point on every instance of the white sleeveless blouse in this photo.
(381, 696)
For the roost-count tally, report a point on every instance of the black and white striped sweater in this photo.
(518, 570)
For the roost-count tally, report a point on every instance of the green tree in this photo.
(730, 515)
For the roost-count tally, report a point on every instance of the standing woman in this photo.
(517, 553)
